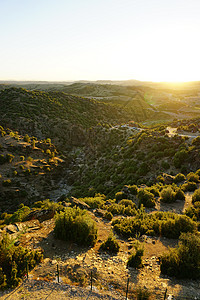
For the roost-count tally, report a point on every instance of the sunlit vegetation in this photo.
(183, 261)
(14, 262)
(166, 224)
(75, 225)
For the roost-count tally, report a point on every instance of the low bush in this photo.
(108, 216)
(133, 189)
(196, 196)
(179, 178)
(95, 202)
(119, 196)
(146, 198)
(142, 294)
(167, 195)
(9, 157)
(127, 203)
(166, 224)
(6, 182)
(135, 259)
(193, 211)
(18, 216)
(189, 186)
(179, 194)
(183, 261)
(192, 177)
(111, 245)
(13, 261)
(75, 225)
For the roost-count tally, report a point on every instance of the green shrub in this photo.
(146, 198)
(27, 138)
(167, 195)
(154, 190)
(189, 186)
(111, 245)
(116, 209)
(193, 211)
(135, 259)
(159, 223)
(75, 225)
(19, 215)
(9, 157)
(108, 216)
(192, 177)
(179, 178)
(13, 261)
(180, 157)
(95, 202)
(179, 194)
(198, 172)
(196, 196)
(183, 261)
(127, 203)
(119, 196)
(165, 165)
(7, 182)
(142, 294)
(133, 189)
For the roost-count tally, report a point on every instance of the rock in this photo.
(79, 203)
(168, 179)
(41, 215)
(99, 212)
(11, 229)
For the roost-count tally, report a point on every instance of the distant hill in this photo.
(56, 114)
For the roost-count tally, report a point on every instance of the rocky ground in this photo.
(109, 272)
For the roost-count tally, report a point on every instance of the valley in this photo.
(118, 162)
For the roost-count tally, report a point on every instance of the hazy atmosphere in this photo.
(109, 39)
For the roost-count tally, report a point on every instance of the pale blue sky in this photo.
(105, 39)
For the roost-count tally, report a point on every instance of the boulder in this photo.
(79, 203)
(168, 179)
(41, 215)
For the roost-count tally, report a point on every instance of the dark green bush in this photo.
(111, 245)
(196, 196)
(133, 189)
(179, 194)
(179, 178)
(119, 196)
(9, 157)
(75, 225)
(13, 262)
(192, 177)
(108, 216)
(146, 198)
(94, 202)
(142, 294)
(194, 211)
(7, 182)
(159, 223)
(135, 259)
(167, 195)
(127, 203)
(183, 261)
(180, 157)
(189, 186)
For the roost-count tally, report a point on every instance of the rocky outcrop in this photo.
(41, 215)
(79, 203)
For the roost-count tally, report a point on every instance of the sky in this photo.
(65, 40)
